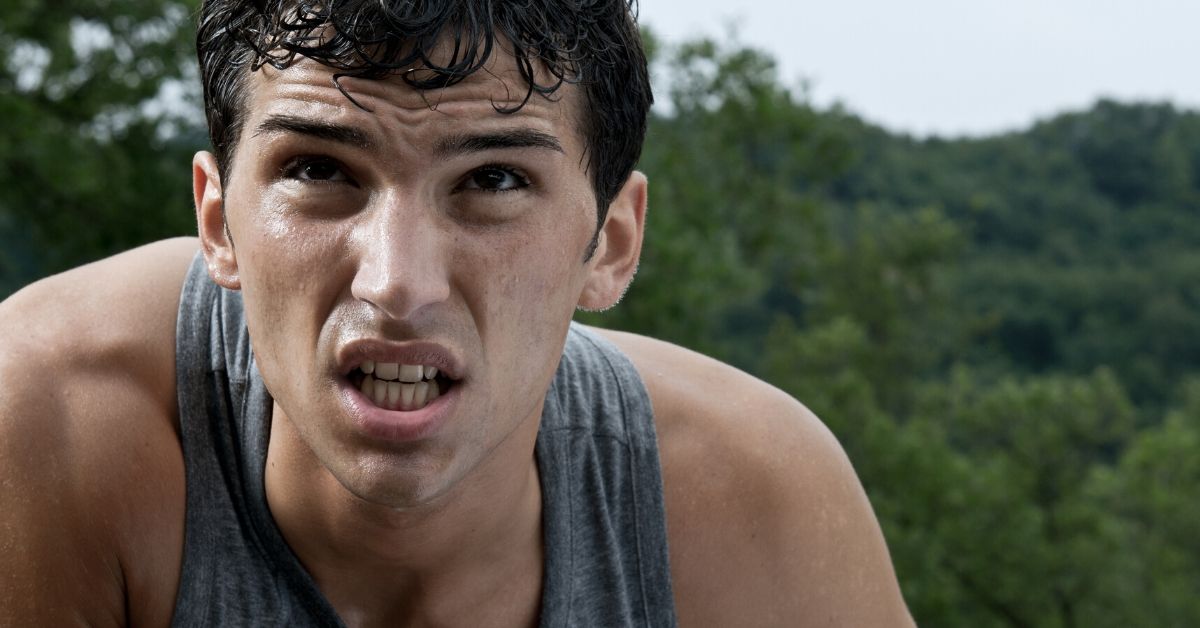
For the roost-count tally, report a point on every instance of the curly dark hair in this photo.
(592, 43)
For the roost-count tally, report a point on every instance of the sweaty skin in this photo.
(411, 250)
(424, 225)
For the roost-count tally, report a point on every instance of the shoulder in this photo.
(110, 311)
(89, 453)
(767, 521)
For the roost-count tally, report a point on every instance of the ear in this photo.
(215, 241)
(615, 259)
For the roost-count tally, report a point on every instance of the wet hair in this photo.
(594, 44)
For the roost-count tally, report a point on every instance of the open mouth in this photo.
(394, 386)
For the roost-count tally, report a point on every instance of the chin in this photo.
(399, 482)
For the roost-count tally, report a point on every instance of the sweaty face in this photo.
(408, 268)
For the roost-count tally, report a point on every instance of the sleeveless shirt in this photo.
(597, 457)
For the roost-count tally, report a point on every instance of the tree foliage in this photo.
(995, 328)
(97, 131)
(1003, 332)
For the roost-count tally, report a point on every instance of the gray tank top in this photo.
(603, 519)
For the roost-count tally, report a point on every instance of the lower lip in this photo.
(397, 426)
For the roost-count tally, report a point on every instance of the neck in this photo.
(464, 544)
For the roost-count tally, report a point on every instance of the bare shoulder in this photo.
(768, 523)
(89, 452)
(110, 311)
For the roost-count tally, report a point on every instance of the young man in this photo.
(363, 402)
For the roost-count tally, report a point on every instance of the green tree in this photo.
(100, 120)
(1010, 521)
(1156, 491)
(994, 328)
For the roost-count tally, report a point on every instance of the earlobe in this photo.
(615, 260)
(215, 241)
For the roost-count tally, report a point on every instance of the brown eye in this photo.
(495, 179)
(315, 169)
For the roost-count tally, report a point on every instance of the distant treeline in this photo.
(1004, 333)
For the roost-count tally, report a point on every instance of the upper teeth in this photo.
(410, 373)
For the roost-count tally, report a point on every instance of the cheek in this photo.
(531, 294)
(540, 269)
(286, 267)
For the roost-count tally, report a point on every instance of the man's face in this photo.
(424, 229)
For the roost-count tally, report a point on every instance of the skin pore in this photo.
(422, 224)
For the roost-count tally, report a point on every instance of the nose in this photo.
(401, 259)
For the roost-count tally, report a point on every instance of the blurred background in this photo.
(984, 277)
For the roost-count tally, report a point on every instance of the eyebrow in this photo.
(281, 123)
(455, 145)
(451, 146)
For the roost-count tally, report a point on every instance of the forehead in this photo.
(496, 94)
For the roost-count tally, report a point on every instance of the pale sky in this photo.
(955, 67)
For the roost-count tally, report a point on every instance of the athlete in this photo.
(358, 399)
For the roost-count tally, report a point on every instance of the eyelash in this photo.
(294, 166)
(516, 173)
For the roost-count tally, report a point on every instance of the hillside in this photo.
(1004, 332)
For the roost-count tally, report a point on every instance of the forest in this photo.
(1003, 332)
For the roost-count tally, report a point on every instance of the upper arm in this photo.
(767, 521)
(88, 449)
(117, 311)
(58, 566)
(812, 549)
